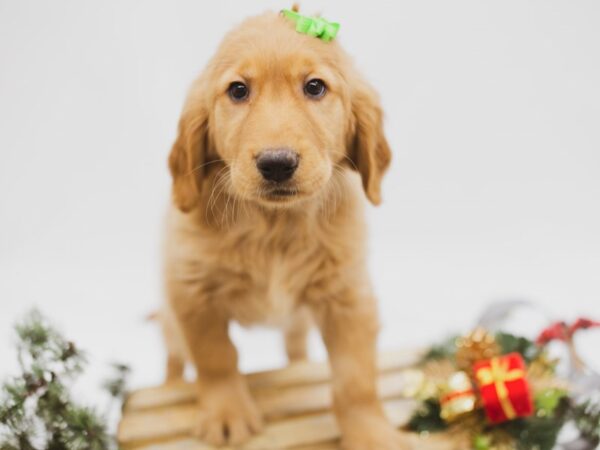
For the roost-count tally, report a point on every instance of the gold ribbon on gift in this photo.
(499, 374)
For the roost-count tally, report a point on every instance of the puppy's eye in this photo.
(238, 91)
(315, 88)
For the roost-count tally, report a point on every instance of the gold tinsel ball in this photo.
(476, 346)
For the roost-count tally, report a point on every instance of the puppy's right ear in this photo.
(188, 156)
(369, 152)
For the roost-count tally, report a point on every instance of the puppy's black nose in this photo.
(277, 164)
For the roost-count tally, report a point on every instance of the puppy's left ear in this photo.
(188, 156)
(369, 150)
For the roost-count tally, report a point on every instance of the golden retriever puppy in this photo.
(278, 143)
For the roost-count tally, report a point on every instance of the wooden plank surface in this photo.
(304, 373)
(307, 431)
(295, 401)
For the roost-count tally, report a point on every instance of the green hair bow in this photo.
(313, 26)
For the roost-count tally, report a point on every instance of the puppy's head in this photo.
(278, 112)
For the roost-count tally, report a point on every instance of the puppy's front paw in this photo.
(228, 414)
(371, 431)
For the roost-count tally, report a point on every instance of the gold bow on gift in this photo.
(499, 374)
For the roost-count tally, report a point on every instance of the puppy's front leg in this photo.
(227, 412)
(349, 327)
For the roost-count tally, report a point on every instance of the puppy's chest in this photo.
(270, 278)
(274, 295)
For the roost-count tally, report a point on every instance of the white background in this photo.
(493, 113)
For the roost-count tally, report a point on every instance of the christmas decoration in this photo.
(474, 347)
(36, 409)
(504, 388)
(459, 397)
(562, 331)
(502, 392)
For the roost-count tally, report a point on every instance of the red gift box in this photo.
(504, 388)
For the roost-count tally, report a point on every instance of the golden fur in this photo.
(235, 253)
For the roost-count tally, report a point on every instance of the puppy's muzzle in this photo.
(277, 165)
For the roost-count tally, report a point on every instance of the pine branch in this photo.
(444, 350)
(510, 343)
(37, 411)
(427, 418)
(116, 384)
(587, 419)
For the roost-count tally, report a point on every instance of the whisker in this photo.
(220, 191)
(217, 185)
(225, 213)
(194, 169)
(338, 190)
(351, 162)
